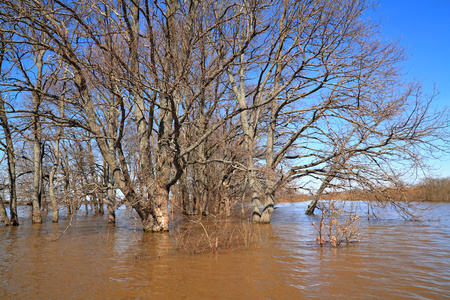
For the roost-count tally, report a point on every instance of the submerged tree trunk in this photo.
(337, 164)
(68, 199)
(14, 219)
(52, 186)
(184, 195)
(37, 174)
(111, 195)
(51, 180)
(37, 182)
(3, 215)
(160, 208)
(37, 142)
(312, 206)
(95, 202)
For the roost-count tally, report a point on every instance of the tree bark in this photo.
(312, 206)
(111, 195)
(37, 144)
(51, 179)
(3, 215)
(14, 219)
(95, 202)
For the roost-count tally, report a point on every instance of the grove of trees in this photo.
(200, 104)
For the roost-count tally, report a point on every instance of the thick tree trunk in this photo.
(161, 208)
(266, 215)
(157, 218)
(160, 199)
(3, 215)
(255, 197)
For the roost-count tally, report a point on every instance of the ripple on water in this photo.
(92, 260)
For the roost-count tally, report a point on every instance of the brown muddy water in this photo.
(399, 260)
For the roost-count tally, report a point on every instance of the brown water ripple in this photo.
(400, 260)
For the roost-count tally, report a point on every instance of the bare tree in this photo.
(13, 220)
(318, 68)
(215, 93)
(149, 64)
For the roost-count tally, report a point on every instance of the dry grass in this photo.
(214, 235)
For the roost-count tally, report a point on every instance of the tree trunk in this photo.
(161, 208)
(248, 128)
(51, 179)
(51, 193)
(86, 204)
(312, 206)
(111, 196)
(37, 174)
(337, 164)
(184, 196)
(3, 215)
(93, 178)
(14, 220)
(37, 142)
(266, 215)
(68, 199)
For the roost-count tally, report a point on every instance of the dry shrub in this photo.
(214, 234)
(337, 225)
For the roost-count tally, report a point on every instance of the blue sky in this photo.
(423, 28)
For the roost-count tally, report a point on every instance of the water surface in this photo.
(91, 260)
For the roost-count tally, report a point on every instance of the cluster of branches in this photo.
(204, 102)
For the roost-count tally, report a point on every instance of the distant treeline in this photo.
(432, 190)
(428, 190)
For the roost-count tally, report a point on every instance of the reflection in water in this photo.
(96, 261)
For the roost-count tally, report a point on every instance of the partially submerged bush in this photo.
(337, 225)
(214, 234)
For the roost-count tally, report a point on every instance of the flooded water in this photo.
(91, 260)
